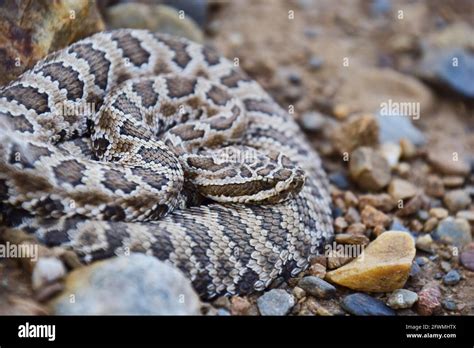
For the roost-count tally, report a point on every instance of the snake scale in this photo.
(136, 141)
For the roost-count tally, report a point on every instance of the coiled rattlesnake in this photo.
(106, 144)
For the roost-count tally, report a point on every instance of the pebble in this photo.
(445, 266)
(428, 299)
(137, 284)
(467, 259)
(434, 186)
(299, 293)
(347, 238)
(223, 312)
(317, 287)
(455, 231)
(382, 201)
(46, 271)
(350, 199)
(425, 243)
(241, 306)
(402, 298)
(457, 200)
(412, 206)
(453, 181)
(437, 66)
(355, 132)
(439, 213)
(422, 260)
(362, 304)
(452, 277)
(449, 305)
(415, 269)
(391, 152)
(382, 267)
(423, 215)
(340, 224)
(401, 189)
(317, 270)
(197, 9)
(313, 121)
(430, 224)
(275, 302)
(466, 214)
(369, 169)
(394, 128)
(372, 217)
(398, 226)
(443, 161)
(415, 225)
(408, 148)
(352, 215)
(356, 228)
(339, 179)
(380, 7)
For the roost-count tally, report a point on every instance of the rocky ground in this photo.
(333, 65)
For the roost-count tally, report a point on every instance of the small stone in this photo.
(452, 277)
(425, 243)
(412, 206)
(415, 225)
(352, 215)
(137, 284)
(408, 148)
(317, 270)
(378, 230)
(339, 179)
(372, 217)
(391, 152)
(362, 304)
(438, 275)
(346, 238)
(401, 189)
(467, 259)
(423, 215)
(382, 201)
(384, 265)
(341, 111)
(467, 215)
(340, 224)
(454, 231)
(356, 228)
(240, 306)
(299, 293)
(380, 7)
(430, 224)
(445, 266)
(422, 260)
(397, 225)
(449, 305)
(428, 299)
(47, 270)
(446, 163)
(402, 298)
(457, 200)
(453, 181)
(439, 213)
(337, 261)
(369, 169)
(355, 132)
(313, 121)
(394, 128)
(415, 269)
(275, 302)
(317, 287)
(350, 199)
(222, 312)
(403, 169)
(434, 186)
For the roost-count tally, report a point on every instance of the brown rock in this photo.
(378, 230)
(383, 266)
(317, 270)
(346, 238)
(457, 200)
(429, 299)
(30, 30)
(355, 132)
(453, 181)
(382, 201)
(401, 189)
(408, 148)
(372, 217)
(412, 206)
(439, 213)
(241, 306)
(369, 169)
(430, 224)
(434, 186)
(350, 199)
(340, 224)
(415, 225)
(356, 228)
(448, 162)
(352, 215)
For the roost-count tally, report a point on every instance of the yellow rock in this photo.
(382, 267)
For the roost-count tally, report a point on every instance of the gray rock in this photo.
(454, 231)
(127, 285)
(317, 287)
(402, 298)
(394, 128)
(380, 7)
(312, 121)
(339, 179)
(449, 305)
(457, 200)
(452, 68)
(275, 302)
(196, 9)
(414, 270)
(362, 304)
(47, 270)
(452, 277)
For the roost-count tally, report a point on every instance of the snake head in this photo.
(241, 174)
